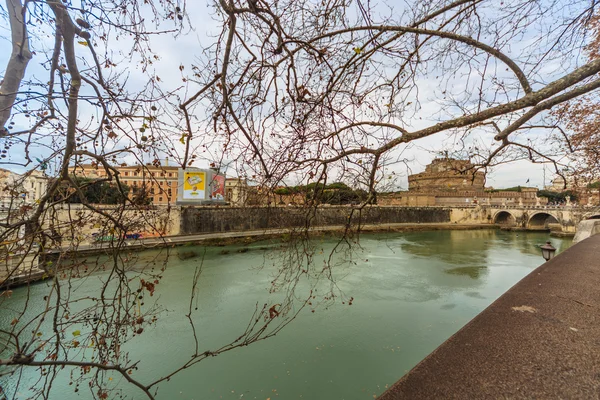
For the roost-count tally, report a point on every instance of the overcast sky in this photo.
(180, 51)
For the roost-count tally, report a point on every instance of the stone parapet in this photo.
(225, 219)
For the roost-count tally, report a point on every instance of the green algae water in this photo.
(411, 292)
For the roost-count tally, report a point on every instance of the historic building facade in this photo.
(450, 182)
(447, 174)
(19, 189)
(160, 183)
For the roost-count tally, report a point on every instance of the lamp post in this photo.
(547, 251)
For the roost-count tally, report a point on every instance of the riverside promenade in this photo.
(539, 340)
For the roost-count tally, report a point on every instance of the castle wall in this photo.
(447, 174)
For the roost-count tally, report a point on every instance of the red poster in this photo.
(217, 187)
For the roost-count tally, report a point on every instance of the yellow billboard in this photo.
(194, 183)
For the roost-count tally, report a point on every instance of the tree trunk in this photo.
(17, 64)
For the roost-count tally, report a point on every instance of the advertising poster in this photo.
(217, 188)
(194, 183)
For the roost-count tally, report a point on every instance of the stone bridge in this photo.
(554, 218)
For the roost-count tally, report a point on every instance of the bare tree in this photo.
(352, 83)
(305, 91)
(576, 125)
(19, 58)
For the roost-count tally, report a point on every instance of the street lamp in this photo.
(547, 251)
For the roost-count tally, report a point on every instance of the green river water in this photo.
(411, 292)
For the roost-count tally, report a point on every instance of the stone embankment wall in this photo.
(76, 223)
(209, 219)
(205, 219)
(585, 229)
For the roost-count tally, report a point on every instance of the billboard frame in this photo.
(203, 194)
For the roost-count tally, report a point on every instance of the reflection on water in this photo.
(448, 306)
(411, 290)
(475, 295)
(472, 272)
(473, 246)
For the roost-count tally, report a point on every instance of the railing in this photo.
(540, 207)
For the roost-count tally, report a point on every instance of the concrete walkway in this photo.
(540, 340)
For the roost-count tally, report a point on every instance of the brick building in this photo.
(158, 182)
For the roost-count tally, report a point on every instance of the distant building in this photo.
(450, 182)
(158, 183)
(573, 182)
(526, 197)
(585, 189)
(35, 185)
(447, 174)
(236, 191)
(558, 185)
(19, 189)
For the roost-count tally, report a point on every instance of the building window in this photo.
(126, 173)
(170, 174)
(160, 198)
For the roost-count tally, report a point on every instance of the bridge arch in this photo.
(595, 216)
(505, 218)
(541, 221)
